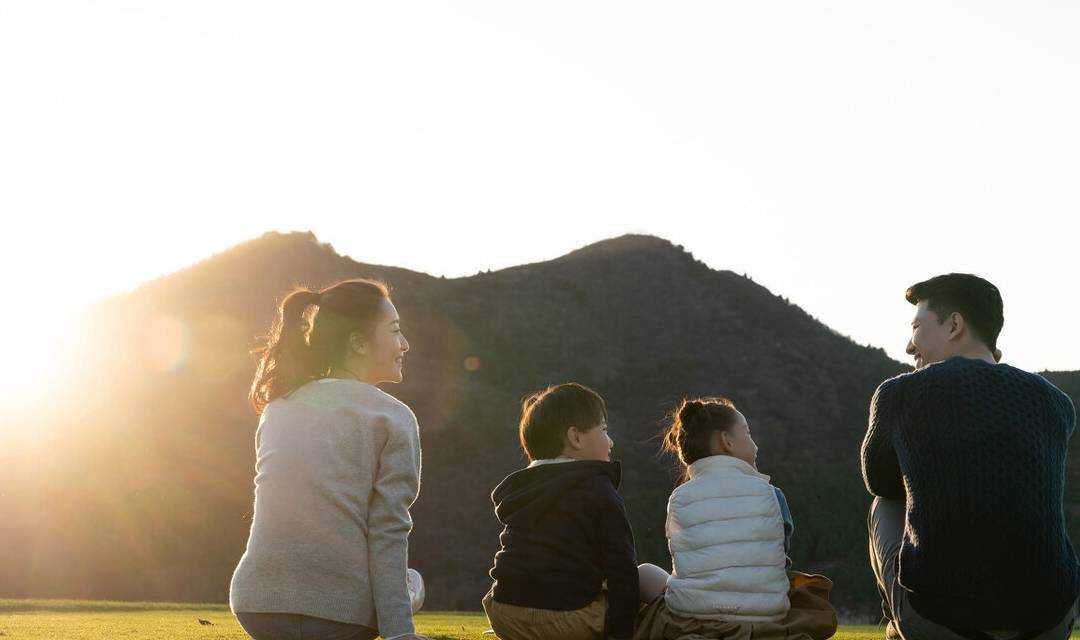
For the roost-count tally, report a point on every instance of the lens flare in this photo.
(165, 343)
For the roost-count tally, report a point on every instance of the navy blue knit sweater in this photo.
(978, 450)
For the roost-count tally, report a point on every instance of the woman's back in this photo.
(337, 465)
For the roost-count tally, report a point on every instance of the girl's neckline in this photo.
(723, 461)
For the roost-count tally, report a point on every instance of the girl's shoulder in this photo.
(721, 486)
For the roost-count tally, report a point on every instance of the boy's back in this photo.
(565, 533)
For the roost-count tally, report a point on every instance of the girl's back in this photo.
(726, 537)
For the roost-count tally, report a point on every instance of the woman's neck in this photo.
(346, 373)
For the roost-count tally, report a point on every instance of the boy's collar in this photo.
(537, 463)
(613, 468)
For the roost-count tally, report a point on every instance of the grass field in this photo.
(83, 620)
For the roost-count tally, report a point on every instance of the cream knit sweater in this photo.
(337, 468)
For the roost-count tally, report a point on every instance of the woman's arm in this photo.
(396, 487)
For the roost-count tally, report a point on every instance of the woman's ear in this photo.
(358, 343)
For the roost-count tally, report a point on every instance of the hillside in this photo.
(137, 483)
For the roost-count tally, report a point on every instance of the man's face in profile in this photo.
(929, 341)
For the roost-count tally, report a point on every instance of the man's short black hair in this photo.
(974, 298)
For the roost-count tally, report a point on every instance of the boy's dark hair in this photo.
(974, 298)
(547, 414)
(692, 425)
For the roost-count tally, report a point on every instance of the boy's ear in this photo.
(573, 438)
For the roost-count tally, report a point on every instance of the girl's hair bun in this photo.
(691, 411)
(692, 424)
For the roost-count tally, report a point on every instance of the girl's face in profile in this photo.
(736, 442)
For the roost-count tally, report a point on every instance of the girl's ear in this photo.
(725, 441)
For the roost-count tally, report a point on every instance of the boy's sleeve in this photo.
(880, 467)
(619, 563)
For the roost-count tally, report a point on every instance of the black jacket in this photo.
(565, 532)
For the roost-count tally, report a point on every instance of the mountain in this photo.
(136, 483)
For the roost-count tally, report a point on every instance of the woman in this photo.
(337, 468)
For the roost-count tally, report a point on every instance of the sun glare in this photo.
(37, 352)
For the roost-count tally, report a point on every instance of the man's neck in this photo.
(977, 352)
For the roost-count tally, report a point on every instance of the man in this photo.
(966, 460)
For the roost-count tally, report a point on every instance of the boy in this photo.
(565, 529)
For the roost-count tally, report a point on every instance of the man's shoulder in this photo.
(895, 385)
(942, 372)
(1060, 400)
(896, 382)
(1003, 376)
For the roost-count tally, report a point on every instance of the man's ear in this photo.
(956, 325)
(997, 355)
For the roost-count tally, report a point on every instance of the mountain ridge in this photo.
(145, 468)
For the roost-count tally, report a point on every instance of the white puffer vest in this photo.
(726, 538)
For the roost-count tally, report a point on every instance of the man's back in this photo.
(979, 450)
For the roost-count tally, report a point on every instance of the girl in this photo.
(337, 468)
(729, 532)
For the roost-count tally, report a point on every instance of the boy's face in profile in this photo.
(593, 444)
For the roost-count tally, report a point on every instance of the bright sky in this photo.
(836, 152)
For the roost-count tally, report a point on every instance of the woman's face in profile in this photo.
(387, 346)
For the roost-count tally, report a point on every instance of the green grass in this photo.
(85, 620)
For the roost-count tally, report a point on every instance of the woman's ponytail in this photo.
(303, 345)
(286, 361)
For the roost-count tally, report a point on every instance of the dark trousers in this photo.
(291, 626)
(886, 525)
